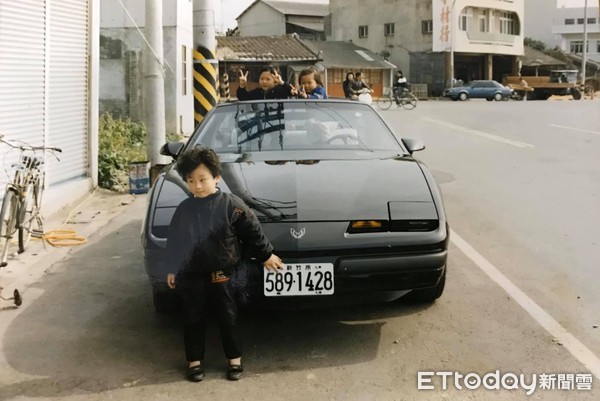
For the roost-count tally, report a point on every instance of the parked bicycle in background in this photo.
(22, 202)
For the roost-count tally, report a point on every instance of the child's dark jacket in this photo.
(208, 234)
(283, 91)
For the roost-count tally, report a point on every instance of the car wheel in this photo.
(489, 99)
(576, 93)
(165, 303)
(463, 96)
(498, 97)
(428, 295)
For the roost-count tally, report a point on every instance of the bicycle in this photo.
(23, 197)
(402, 97)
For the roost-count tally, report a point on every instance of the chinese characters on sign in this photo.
(445, 22)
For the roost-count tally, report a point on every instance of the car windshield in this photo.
(295, 125)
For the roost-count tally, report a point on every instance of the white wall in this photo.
(177, 31)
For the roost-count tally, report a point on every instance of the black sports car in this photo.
(349, 210)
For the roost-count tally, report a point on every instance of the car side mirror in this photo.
(413, 145)
(171, 149)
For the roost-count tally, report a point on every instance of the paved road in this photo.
(88, 331)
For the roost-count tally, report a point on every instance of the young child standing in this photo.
(311, 84)
(205, 239)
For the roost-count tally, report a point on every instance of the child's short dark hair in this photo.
(189, 160)
(308, 71)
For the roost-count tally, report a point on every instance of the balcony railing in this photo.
(491, 37)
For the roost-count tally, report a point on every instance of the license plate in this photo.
(299, 279)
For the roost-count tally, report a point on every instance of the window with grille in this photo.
(389, 29)
(427, 26)
(570, 21)
(363, 31)
(576, 46)
(464, 19)
(483, 21)
(507, 24)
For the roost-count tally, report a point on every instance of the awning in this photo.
(313, 26)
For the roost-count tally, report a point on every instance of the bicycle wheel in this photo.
(409, 101)
(29, 211)
(8, 221)
(384, 102)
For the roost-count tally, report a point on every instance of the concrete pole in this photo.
(154, 82)
(585, 39)
(206, 66)
(452, 28)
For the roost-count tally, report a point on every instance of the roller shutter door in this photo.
(22, 76)
(68, 88)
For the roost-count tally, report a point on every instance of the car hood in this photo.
(314, 190)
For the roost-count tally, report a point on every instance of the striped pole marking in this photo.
(206, 67)
(224, 87)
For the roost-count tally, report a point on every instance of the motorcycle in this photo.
(364, 96)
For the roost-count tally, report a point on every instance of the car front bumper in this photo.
(358, 279)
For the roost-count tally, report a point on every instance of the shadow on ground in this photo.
(94, 329)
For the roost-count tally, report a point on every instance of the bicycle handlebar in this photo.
(26, 146)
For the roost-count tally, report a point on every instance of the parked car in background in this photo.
(481, 89)
(346, 206)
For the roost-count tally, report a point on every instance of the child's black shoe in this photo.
(234, 372)
(195, 373)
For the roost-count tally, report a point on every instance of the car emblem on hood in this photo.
(298, 234)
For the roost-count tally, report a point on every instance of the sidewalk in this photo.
(87, 217)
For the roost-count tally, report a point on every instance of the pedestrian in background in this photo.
(347, 85)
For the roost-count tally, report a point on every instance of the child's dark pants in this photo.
(201, 297)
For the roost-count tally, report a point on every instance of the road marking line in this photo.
(479, 133)
(572, 344)
(575, 129)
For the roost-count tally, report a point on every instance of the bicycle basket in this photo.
(31, 162)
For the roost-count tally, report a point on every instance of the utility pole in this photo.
(154, 81)
(452, 27)
(585, 39)
(206, 65)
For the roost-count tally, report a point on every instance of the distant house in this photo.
(279, 17)
(535, 62)
(250, 54)
(338, 58)
(292, 54)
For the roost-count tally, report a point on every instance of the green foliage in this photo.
(536, 44)
(120, 142)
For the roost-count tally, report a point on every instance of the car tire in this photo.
(576, 93)
(489, 99)
(498, 97)
(463, 96)
(428, 295)
(165, 303)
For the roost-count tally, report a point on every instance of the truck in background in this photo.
(559, 82)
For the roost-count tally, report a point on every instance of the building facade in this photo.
(122, 65)
(49, 91)
(281, 17)
(485, 37)
(568, 25)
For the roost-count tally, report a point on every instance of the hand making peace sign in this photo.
(243, 79)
